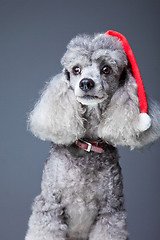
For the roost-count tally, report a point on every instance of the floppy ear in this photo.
(121, 122)
(57, 115)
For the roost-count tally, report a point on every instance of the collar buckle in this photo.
(89, 145)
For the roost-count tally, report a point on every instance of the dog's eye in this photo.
(106, 70)
(76, 70)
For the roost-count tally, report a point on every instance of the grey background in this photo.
(33, 38)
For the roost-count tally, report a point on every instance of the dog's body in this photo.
(94, 98)
(80, 191)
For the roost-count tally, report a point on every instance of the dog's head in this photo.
(96, 67)
(96, 72)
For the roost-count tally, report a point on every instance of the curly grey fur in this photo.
(82, 193)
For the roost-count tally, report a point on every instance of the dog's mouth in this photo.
(90, 100)
(89, 97)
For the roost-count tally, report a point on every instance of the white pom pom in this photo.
(144, 122)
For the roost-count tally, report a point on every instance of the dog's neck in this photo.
(92, 116)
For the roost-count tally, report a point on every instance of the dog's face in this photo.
(95, 67)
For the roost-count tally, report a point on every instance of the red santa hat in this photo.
(144, 118)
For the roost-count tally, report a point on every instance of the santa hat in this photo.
(144, 118)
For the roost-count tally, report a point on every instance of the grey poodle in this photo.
(86, 112)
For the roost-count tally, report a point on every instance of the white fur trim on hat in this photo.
(144, 122)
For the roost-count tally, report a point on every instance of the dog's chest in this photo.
(81, 207)
(82, 197)
(81, 183)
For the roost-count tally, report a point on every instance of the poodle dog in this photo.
(86, 111)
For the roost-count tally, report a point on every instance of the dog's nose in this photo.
(86, 84)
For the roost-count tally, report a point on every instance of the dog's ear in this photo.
(122, 124)
(57, 115)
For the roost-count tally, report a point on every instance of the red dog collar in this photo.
(91, 146)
